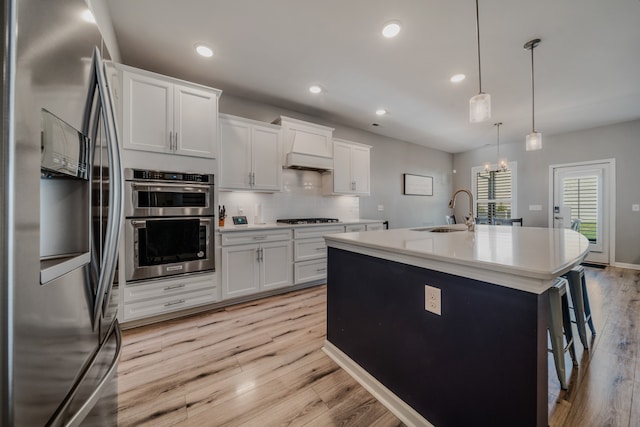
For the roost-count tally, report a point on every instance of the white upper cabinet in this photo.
(166, 115)
(351, 169)
(249, 155)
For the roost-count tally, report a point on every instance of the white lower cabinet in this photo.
(146, 299)
(310, 252)
(249, 268)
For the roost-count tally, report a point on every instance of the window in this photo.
(494, 193)
(581, 195)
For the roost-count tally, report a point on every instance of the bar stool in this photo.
(581, 306)
(560, 319)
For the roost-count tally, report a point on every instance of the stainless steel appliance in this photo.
(60, 219)
(169, 225)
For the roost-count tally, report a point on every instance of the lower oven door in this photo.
(158, 247)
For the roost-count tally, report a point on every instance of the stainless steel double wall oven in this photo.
(169, 223)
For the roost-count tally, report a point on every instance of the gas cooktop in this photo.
(307, 220)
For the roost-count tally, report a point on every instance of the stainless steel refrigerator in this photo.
(61, 186)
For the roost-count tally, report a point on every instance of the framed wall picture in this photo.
(417, 185)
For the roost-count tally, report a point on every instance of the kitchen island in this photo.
(483, 360)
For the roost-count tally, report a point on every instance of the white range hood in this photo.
(307, 146)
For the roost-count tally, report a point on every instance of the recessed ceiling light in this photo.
(457, 78)
(315, 89)
(391, 29)
(88, 16)
(381, 112)
(204, 50)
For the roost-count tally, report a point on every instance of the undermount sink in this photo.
(440, 229)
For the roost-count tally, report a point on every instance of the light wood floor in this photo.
(261, 364)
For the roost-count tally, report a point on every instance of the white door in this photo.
(266, 159)
(235, 155)
(360, 169)
(276, 269)
(341, 168)
(584, 191)
(195, 116)
(147, 122)
(240, 268)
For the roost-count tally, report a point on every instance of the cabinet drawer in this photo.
(306, 249)
(244, 237)
(308, 271)
(355, 227)
(306, 232)
(167, 304)
(161, 288)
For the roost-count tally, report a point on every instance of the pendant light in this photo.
(534, 139)
(502, 165)
(479, 105)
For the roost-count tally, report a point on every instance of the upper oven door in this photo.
(148, 199)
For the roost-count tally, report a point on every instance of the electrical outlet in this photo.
(380, 208)
(240, 210)
(432, 301)
(635, 208)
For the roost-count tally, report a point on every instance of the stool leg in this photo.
(555, 332)
(587, 306)
(568, 330)
(577, 296)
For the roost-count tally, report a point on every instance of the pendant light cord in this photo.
(478, 39)
(533, 95)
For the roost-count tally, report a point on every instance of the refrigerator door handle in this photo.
(79, 416)
(116, 182)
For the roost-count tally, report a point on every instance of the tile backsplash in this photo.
(301, 197)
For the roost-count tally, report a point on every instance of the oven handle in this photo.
(143, 221)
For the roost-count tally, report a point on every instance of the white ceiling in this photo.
(587, 67)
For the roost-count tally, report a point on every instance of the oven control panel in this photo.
(151, 175)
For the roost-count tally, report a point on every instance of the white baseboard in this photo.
(625, 265)
(393, 403)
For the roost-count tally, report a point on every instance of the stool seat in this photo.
(581, 305)
(559, 320)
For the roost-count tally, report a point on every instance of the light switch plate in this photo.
(635, 208)
(535, 207)
(432, 300)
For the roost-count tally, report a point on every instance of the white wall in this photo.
(620, 141)
(390, 158)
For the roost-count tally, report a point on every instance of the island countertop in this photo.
(525, 258)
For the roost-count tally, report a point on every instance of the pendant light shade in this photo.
(534, 139)
(480, 108)
(479, 105)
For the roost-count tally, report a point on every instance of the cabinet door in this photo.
(276, 269)
(267, 168)
(360, 170)
(235, 155)
(147, 113)
(342, 168)
(240, 270)
(195, 121)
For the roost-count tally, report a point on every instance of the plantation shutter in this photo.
(581, 195)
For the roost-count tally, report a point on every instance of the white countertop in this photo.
(525, 258)
(229, 226)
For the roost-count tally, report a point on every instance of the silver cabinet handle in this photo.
(320, 249)
(175, 145)
(261, 254)
(169, 288)
(319, 270)
(258, 255)
(169, 304)
(259, 237)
